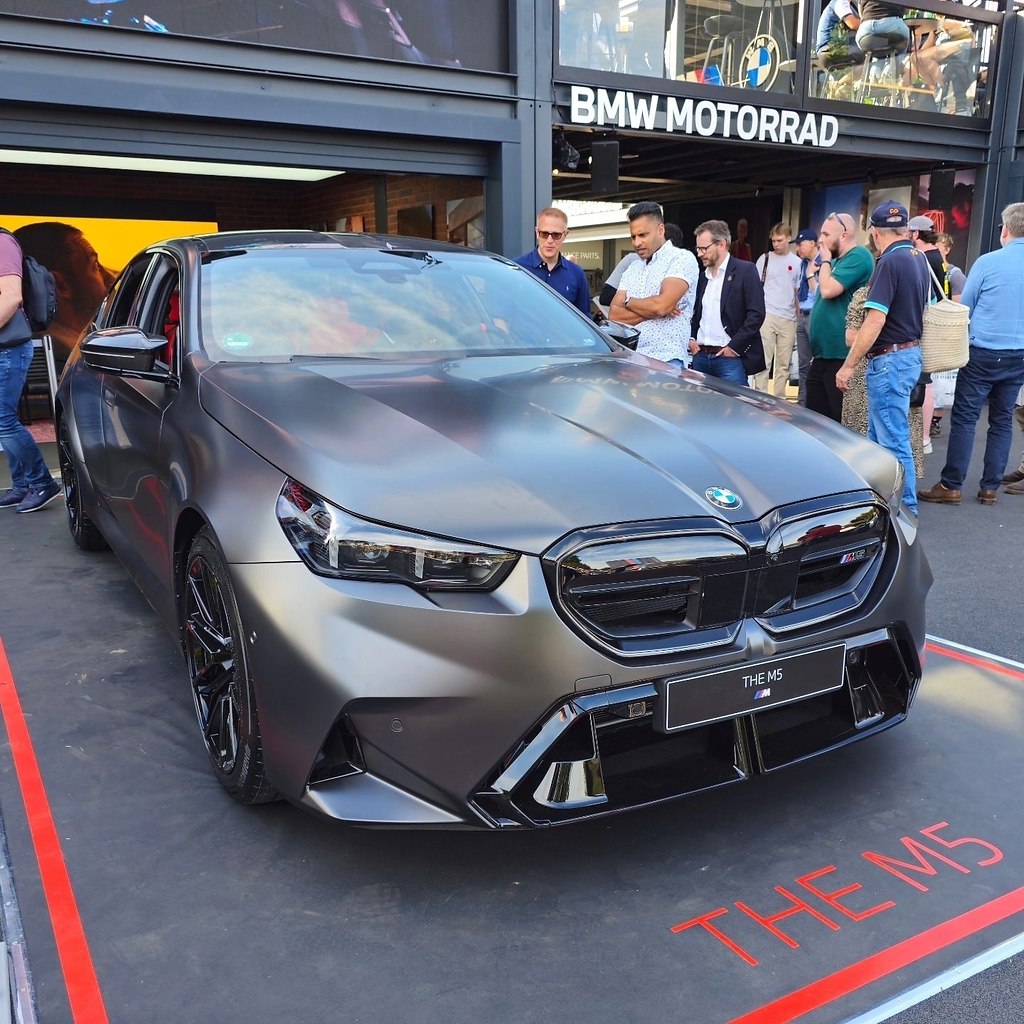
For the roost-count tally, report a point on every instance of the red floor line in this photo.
(80, 979)
(877, 966)
(970, 659)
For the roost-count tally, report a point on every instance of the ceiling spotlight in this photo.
(567, 156)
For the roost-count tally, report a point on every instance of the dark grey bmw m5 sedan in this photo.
(440, 551)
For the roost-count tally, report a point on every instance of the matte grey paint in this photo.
(514, 451)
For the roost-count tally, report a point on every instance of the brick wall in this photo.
(236, 204)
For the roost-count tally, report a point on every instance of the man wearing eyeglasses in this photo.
(655, 292)
(843, 266)
(547, 262)
(725, 331)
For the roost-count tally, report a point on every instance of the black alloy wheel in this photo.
(83, 530)
(221, 688)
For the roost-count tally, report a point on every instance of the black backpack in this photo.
(38, 292)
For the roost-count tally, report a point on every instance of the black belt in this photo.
(711, 350)
(895, 347)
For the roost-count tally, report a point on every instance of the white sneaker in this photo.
(928, 446)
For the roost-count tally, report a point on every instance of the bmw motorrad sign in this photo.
(707, 118)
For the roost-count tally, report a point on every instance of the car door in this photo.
(91, 388)
(137, 485)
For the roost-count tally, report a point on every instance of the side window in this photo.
(124, 294)
(159, 308)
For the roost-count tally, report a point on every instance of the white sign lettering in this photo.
(708, 118)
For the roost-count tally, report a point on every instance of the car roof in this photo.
(225, 241)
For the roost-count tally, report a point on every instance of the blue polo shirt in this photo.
(900, 288)
(995, 294)
(567, 278)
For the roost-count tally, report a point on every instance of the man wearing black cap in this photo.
(806, 249)
(890, 337)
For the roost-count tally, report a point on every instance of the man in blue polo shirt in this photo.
(548, 263)
(995, 367)
(890, 337)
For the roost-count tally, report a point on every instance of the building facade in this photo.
(460, 118)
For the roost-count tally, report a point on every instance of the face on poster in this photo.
(85, 254)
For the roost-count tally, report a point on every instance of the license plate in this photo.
(751, 686)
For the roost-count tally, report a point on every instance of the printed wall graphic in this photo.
(85, 254)
(948, 198)
(449, 33)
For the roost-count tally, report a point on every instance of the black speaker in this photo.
(940, 192)
(604, 167)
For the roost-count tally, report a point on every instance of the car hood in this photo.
(517, 451)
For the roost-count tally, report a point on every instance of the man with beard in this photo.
(845, 266)
(80, 279)
(725, 332)
(655, 294)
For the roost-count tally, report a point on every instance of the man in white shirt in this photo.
(655, 293)
(779, 271)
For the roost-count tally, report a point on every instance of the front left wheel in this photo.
(218, 673)
(83, 530)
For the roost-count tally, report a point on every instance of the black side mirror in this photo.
(624, 334)
(121, 350)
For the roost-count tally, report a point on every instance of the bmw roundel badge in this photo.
(723, 498)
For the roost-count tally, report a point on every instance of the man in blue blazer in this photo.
(728, 311)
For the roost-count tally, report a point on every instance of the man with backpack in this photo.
(32, 485)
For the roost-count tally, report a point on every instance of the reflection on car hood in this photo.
(516, 451)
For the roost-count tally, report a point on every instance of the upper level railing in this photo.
(937, 59)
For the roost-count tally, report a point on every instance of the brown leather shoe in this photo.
(940, 494)
(987, 497)
(1013, 478)
(1014, 488)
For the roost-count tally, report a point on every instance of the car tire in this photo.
(83, 530)
(221, 689)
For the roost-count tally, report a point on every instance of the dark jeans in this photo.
(994, 376)
(728, 368)
(803, 352)
(28, 470)
(822, 394)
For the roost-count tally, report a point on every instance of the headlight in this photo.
(896, 494)
(336, 543)
(903, 519)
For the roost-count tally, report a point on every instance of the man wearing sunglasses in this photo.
(547, 262)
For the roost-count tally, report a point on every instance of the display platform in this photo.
(815, 894)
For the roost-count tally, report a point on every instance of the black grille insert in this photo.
(639, 594)
(653, 594)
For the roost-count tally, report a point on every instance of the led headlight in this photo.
(333, 542)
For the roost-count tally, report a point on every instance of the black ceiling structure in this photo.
(672, 168)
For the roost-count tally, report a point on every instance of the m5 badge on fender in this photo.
(723, 498)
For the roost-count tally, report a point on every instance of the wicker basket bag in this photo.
(944, 333)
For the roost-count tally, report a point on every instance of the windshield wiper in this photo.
(415, 254)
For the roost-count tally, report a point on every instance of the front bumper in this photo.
(382, 707)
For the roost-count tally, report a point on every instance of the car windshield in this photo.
(286, 303)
